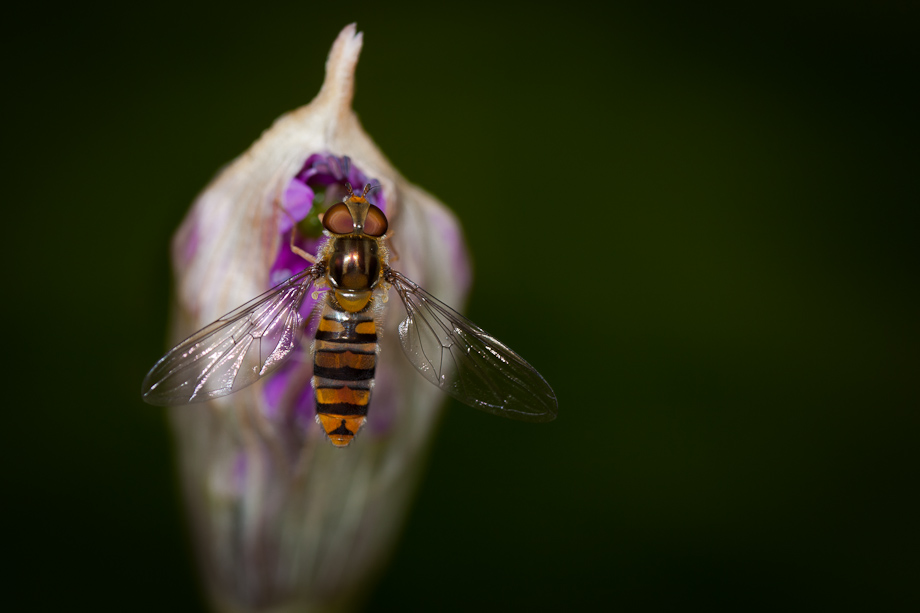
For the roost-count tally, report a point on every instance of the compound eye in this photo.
(375, 224)
(338, 219)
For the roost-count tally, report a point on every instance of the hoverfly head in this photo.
(356, 215)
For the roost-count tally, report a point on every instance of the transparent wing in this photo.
(466, 362)
(235, 351)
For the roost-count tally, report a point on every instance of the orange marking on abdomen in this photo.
(362, 361)
(331, 325)
(340, 429)
(366, 327)
(345, 395)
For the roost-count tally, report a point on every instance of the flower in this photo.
(282, 519)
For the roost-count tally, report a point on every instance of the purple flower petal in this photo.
(298, 200)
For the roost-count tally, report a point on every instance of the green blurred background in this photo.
(696, 222)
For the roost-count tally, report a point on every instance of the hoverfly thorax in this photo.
(355, 255)
(354, 264)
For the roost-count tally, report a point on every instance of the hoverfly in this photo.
(253, 340)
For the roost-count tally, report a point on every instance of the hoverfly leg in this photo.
(294, 248)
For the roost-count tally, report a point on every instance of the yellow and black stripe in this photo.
(344, 360)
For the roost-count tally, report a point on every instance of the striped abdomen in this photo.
(344, 359)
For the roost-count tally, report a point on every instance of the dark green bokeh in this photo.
(695, 223)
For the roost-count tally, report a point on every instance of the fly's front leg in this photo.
(307, 256)
(294, 248)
